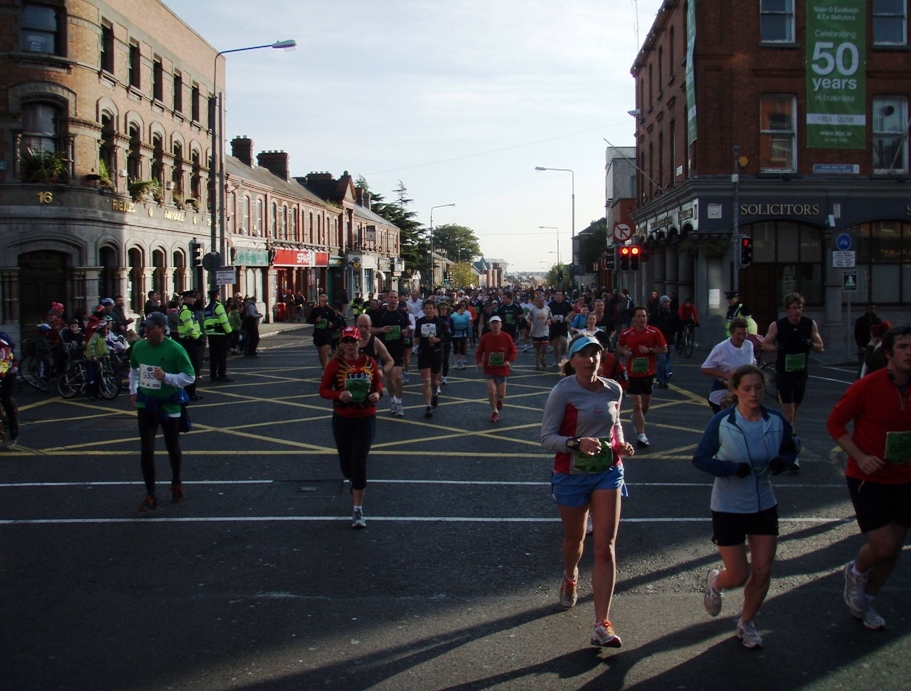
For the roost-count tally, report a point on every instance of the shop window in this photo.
(890, 146)
(883, 258)
(40, 29)
(777, 138)
(40, 127)
(776, 19)
(796, 251)
(890, 22)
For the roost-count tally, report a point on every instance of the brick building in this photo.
(106, 115)
(815, 100)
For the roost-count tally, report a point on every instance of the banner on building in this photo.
(836, 68)
(303, 258)
(691, 71)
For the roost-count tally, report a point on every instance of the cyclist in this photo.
(7, 382)
(688, 314)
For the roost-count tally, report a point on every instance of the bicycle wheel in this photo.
(678, 343)
(109, 387)
(4, 433)
(689, 343)
(72, 381)
(29, 368)
(768, 371)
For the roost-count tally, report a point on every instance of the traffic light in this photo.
(746, 252)
(196, 253)
(560, 276)
(635, 253)
(624, 258)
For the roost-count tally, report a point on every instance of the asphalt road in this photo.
(256, 580)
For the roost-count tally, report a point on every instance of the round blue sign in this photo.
(843, 241)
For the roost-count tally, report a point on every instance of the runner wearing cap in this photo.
(640, 344)
(495, 354)
(735, 309)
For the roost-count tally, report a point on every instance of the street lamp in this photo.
(573, 247)
(217, 170)
(438, 206)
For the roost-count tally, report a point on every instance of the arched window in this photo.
(157, 159)
(134, 161)
(41, 128)
(260, 224)
(293, 230)
(245, 217)
(273, 220)
(284, 222)
(177, 171)
(196, 179)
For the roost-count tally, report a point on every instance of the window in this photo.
(106, 150)
(273, 221)
(259, 218)
(177, 170)
(178, 92)
(194, 103)
(293, 231)
(158, 79)
(284, 222)
(797, 254)
(134, 158)
(157, 159)
(890, 22)
(776, 18)
(884, 262)
(107, 48)
(777, 150)
(135, 66)
(40, 29)
(245, 216)
(40, 127)
(890, 146)
(196, 180)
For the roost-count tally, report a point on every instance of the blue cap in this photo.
(581, 343)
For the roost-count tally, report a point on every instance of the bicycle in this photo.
(686, 339)
(75, 380)
(768, 372)
(42, 375)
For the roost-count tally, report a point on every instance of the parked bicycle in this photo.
(75, 380)
(42, 375)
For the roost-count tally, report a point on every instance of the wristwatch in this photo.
(573, 442)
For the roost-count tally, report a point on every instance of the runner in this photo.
(640, 344)
(325, 320)
(428, 335)
(495, 354)
(392, 326)
(726, 357)
(512, 316)
(561, 312)
(540, 318)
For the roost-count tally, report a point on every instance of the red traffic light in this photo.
(624, 251)
(635, 251)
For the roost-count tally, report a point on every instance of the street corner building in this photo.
(111, 119)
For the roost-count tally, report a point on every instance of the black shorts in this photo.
(731, 529)
(640, 386)
(432, 360)
(877, 505)
(397, 353)
(791, 386)
(322, 338)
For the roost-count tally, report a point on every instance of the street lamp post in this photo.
(558, 247)
(438, 206)
(217, 169)
(572, 250)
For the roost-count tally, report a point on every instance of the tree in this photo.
(592, 242)
(558, 276)
(414, 247)
(462, 275)
(459, 242)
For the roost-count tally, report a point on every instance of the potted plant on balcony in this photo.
(43, 166)
(143, 190)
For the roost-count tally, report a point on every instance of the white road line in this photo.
(380, 519)
(504, 483)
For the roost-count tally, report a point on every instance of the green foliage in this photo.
(143, 190)
(553, 276)
(459, 242)
(414, 246)
(592, 242)
(462, 275)
(38, 165)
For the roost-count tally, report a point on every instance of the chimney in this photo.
(362, 197)
(276, 162)
(242, 149)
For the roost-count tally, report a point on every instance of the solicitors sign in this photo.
(836, 67)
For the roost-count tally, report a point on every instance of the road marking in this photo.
(383, 519)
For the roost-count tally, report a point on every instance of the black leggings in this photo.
(148, 428)
(9, 403)
(353, 439)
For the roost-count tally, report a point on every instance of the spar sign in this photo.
(836, 66)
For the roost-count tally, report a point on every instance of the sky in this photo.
(459, 100)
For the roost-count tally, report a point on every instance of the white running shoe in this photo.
(870, 617)
(748, 634)
(604, 636)
(357, 519)
(712, 598)
(855, 591)
(445, 380)
(642, 441)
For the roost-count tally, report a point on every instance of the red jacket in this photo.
(502, 344)
(335, 380)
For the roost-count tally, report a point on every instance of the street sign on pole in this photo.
(849, 281)
(226, 276)
(843, 259)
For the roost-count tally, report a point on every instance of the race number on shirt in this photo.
(147, 378)
(428, 330)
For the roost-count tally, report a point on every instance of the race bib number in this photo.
(558, 318)
(395, 333)
(797, 362)
(639, 365)
(510, 319)
(584, 464)
(496, 359)
(898, 447)
(147, 378)
(359, 388)
(322, 324)
(428, 330)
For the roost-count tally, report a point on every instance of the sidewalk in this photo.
(272, 329)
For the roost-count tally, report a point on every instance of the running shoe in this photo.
(796, 467)
(435, 400)
(568, 594)
(499, 404)
(177, 493)
(748, 635)
(589, 528)
(393, 409)
(357, 519)
(870, 617)
(642, 441)
(712, 598)
(429, 412)
(445, 380)
(855, 591)
(399, 410)
(604, 636)
(148, 504)
(494, 416)
(404, 377)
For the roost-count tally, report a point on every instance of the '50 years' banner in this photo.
(836, 66)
